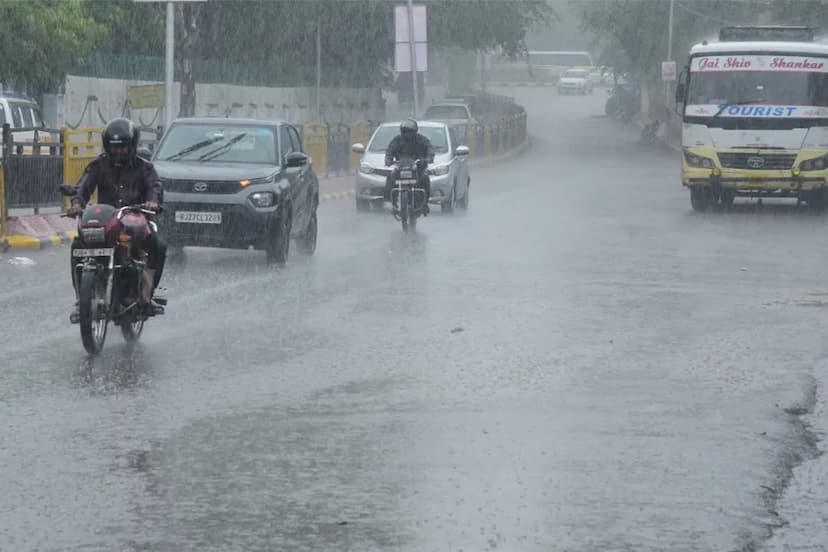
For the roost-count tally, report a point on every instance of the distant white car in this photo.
(575, 81)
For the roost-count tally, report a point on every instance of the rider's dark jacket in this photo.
(418, 148)
(130, 184)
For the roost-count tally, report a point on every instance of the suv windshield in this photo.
(446, 112)
(219, 143)
(384, 135)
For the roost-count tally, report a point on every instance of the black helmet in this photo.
(408, 128)
(121, 133)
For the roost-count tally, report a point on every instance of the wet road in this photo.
(581, 363)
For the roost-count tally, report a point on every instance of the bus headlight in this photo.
(698, 161)
(817, 164)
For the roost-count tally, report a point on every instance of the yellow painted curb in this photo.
(23, 242)
(500, 157)
(337, 195)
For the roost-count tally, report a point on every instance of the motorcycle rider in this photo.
(122, 178)
(410, 143)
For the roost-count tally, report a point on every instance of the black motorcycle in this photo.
(109, 269)
(408, 199)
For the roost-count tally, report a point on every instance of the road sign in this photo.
(146, 96)
(402, 38)
(401, 24)
(668, 70)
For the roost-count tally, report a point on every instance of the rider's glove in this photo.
(74, 211)
(421, 164)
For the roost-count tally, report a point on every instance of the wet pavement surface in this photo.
(579, 363)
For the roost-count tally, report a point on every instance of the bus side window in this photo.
(818, 89)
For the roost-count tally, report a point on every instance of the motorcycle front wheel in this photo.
(404, 209)
(93, 315)
(131, 329)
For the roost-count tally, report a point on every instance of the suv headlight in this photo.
(263, 199)
(439, 170)
(816, 164)
(698, 161)
(365, 168)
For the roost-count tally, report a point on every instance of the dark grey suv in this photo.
(237, 183)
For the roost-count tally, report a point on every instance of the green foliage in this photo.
(485, 24)
(632, 34)
(42, 40)
(261, 42)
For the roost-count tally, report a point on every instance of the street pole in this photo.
(669, 53)
(413, 56)
(170, 61)
(670, 33)
(318, 65)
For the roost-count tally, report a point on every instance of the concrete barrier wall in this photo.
(298, 105)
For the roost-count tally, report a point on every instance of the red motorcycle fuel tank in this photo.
(95, 217)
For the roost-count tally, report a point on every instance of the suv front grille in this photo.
(757, 161)
(202, 186)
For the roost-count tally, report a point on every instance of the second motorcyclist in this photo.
(411, 144)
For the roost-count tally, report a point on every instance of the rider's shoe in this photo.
(74, 317)
(159, 296)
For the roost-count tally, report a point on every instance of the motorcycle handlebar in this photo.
(137, 207)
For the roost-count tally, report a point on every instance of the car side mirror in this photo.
(358, 148)
(461, 151)
(296, 159)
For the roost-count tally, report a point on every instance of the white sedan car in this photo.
(575, 81)
(449, 174)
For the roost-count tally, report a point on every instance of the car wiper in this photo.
(219, 150)
(731, 104)
(194, 147)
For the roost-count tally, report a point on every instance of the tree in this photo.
(43, 41)
(130, 28)
(189, 22)
(633, 33)
(480, 25)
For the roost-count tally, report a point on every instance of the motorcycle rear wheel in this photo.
(93, 321)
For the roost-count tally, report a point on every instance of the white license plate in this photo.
(198, 217)
(105, 252)
(406, 181)
(405, 174)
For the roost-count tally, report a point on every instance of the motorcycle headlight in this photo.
(93, 236)
(263, 199)
(816, 164)
(698, 161)
(439, 170)
(365, 168)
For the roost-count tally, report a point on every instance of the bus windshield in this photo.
(759, 86)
